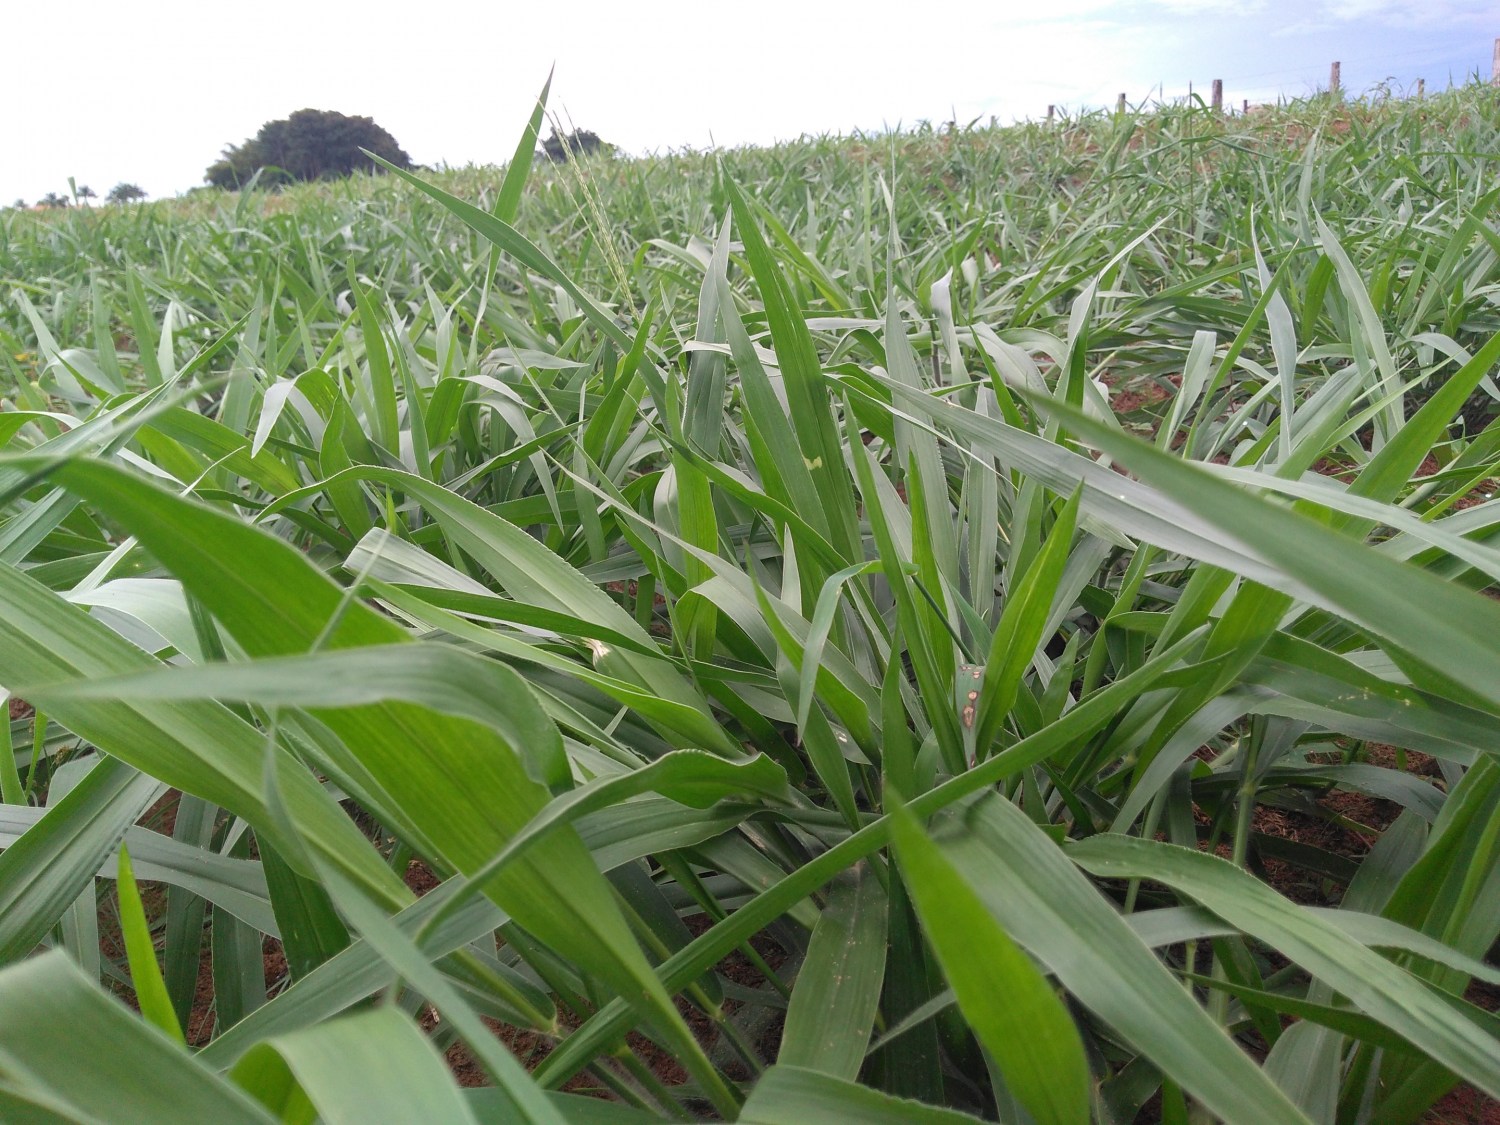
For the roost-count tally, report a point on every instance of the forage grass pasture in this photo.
(952, 625)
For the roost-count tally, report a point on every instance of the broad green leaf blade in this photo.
(531, 574)
(690, 777)
(1054, 913)
(441, 677)
(273, 602)
(1006, 1000)
(508, 202)
(1394, 464)
(1021, 627)
(811, 409)
(237, 955)
(237, 885)
(1306, 1062)
(310, 931)
(200, 748)
(372, 1067)
(524, 1097)
(832, 1009)
(182, 935)
(1443, 626)
(1352, 1023)
(636, 829)
(490, 1104)
(787, 1094)
(65, 1039)
(29, 1107)
(1368, 335)
(381, 382)
(1398, 1000)
(466, 791)
(57, 857)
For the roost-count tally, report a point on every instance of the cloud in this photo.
(1305, 19)
(1212, 7)
(1400, 13)
(1301, 29)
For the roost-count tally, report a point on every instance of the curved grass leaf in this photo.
(140, 951)
(438, 676)
(200, 748)
(1384, 991)
(1443, 627)
(788, 1093)
(1062, 920)
(54, 1017)
(832, 1010)
(1007, 1001)
(373, 1066)
(59, 854)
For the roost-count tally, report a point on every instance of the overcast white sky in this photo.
(150, 91)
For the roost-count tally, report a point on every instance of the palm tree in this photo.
(560, 147)
(124, 192)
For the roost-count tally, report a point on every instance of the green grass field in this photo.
(965, 624)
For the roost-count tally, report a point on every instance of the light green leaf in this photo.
(833, 1004)
(788, 1095)
(1397, 999)
(1007, 1001)
(371, 1067)
(66, 1041)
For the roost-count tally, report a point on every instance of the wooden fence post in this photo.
(1218, 97)
(1050, 110)
(1421, 88)
(1120, 105)
(1333, 80)
(1245, 106)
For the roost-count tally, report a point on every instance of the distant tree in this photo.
(125, 193)
(19, 205)
(560, 147)
(311, 144)
(52, 199)
(85, 193)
